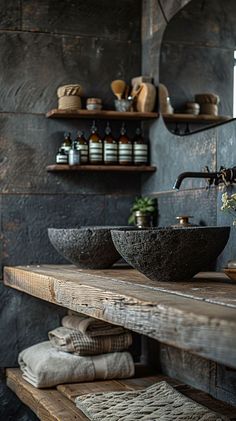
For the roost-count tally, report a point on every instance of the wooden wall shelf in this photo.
(103, 114)
(100, 168)
(197, 119)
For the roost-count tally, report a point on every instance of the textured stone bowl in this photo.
(171, 254)
(86, 247)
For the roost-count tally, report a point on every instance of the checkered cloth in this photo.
(90, 326)
(73, 341)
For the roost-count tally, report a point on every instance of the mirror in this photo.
(198, 55)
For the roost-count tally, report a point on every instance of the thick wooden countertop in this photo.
(199, 315)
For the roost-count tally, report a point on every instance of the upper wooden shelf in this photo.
(103, 114)
(198, 315)
(197, 119)
(101, 168)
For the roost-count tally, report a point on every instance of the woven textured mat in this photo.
(158, 402)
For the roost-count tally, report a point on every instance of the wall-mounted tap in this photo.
(226, 176)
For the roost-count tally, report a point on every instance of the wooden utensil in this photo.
(118, 87)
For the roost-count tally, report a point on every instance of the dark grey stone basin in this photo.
(86, 247)
(171, 254)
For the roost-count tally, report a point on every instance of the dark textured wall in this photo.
(175, 154)
(197, 53)
(45, 44)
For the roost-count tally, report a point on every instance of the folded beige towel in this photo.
(70, 340)
(91, 326)
(45, 366)
(158, 402)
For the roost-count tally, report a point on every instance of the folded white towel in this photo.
(45, 366)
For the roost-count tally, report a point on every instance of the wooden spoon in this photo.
(118, 87)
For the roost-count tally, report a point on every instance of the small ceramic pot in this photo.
(143, 219)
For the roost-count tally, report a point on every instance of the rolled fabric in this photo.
(45, 366)
(69, 90)
(70, 340)
(90, 326)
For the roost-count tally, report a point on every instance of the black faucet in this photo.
(226, 176)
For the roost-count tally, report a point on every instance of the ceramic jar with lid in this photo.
(94, 104)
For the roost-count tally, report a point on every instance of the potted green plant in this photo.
(142, 212)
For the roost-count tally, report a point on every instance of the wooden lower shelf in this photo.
(57, 404)
(101, 168)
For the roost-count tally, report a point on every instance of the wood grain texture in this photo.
(111, 115)
(100, 168)
(125, 297)
(48, 405)
(58, 404)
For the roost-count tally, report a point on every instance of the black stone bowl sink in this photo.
(86, 247)
(171, 254)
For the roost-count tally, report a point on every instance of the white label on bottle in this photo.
(125, 152)
(61, 159)
(82, 147)
(110, 152)
(140, 147)
(140, 154)
(125, 147)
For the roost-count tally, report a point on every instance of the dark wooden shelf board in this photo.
(58, 403)
(197, 119)
(100, 168)
(103, 114)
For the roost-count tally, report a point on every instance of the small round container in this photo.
(94, 104)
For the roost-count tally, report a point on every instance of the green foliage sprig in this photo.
(142, 204)
(229, 204)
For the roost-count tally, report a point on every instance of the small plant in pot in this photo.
(142, 212)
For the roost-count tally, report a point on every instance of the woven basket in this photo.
(71, 102)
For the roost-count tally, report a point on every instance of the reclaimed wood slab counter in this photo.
(198, 316)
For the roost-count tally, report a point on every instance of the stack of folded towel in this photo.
(82, 349)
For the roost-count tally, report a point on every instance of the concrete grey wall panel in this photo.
(10, 14)
(27, 320)
(175, 154)
(116, 20)
(198, 203)
(33, 65)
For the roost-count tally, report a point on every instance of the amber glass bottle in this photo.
(110, 148)
(95, 146)
(125, 148)
(140, 148)
(82, 146)
(66, 145)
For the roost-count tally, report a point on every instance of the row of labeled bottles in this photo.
(107, 150)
